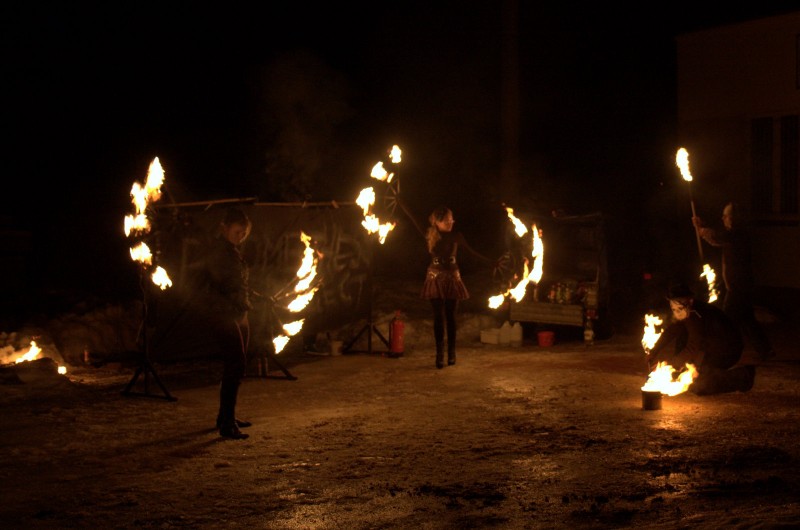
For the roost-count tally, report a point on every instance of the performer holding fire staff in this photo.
(228, 303)
(443, 285)
(738, 276)
(705, 337)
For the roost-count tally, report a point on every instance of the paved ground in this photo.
(525, 437)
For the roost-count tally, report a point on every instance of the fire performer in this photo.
(228, 299)
(737, 273)
(705, 337)
(443, 285)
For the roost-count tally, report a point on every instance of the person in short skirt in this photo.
(443, 285)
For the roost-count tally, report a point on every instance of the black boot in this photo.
(439, 355)
(451, 355)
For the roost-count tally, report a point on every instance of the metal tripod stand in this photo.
(145, 368)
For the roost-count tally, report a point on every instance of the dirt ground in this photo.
(509, 437)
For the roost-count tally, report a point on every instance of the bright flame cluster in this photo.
(303, 292)
(534, 275)
(661, 379)
(651, 331)
(138, 223)
(34, 352)
(366, 198)
(711, 278)
(682, 161)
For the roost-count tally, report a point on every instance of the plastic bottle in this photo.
(505, 333)
(516, 334)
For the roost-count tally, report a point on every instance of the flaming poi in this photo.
(138, 225)
(301, 294)
(529, 275)
(682, 161)
(366, 198)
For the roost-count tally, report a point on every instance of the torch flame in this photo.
(651, 334)
(711, 278)
(682, 160)
(661, 379)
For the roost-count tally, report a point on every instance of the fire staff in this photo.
(704, 336)
(737, 272)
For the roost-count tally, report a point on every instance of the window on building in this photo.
(775, 166)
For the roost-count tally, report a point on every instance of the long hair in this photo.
(433, 236)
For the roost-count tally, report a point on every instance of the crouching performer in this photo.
(701, 334)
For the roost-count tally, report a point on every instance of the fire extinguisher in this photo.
(396, 328)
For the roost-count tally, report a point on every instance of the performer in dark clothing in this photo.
(443, 285)
(737, 273)
(228, 305)
(704, 336)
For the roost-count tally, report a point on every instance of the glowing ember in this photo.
(711, 278)
(651, 333)
(138, 224)
(661, 379)
(682, 161)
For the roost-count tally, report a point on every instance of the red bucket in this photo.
(546, 338)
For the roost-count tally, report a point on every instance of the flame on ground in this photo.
(35, 352)
(661, 379)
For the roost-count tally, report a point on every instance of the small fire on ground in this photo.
(31, 354)
(662, 378)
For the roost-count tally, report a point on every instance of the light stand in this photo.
(370, 327)
(145, 368)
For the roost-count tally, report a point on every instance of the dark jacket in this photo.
(737, 269)
(707, 339)
(226, 285)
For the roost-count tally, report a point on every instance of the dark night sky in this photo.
(93, 92)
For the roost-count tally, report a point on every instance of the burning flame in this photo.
(532, 275)
(366, 198)
(35, 352)
(711, 278)
(682, 160)
(305, 275)
(661, 379)
(519, 227)
(138, 223)
(651, 334)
